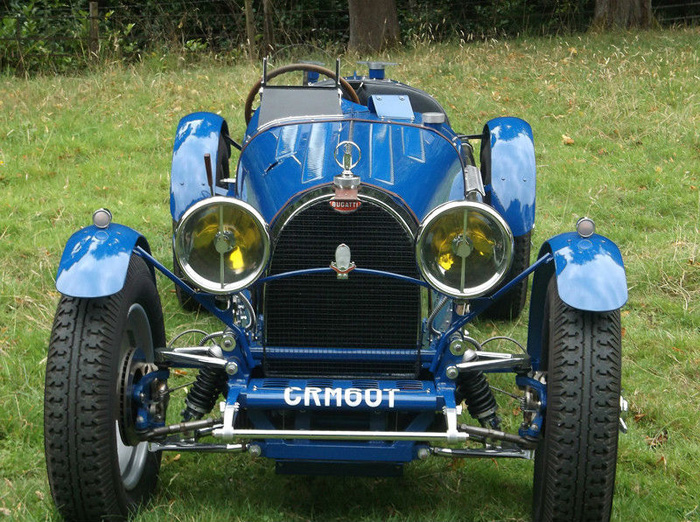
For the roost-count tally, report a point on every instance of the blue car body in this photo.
(354, 370)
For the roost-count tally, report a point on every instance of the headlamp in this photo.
(464, 248)
(222, 244)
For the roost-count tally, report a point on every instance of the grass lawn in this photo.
(616, 119)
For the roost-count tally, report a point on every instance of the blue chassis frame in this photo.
(433, 396)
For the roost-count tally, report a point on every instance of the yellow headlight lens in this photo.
(464, 248)
(222, 244)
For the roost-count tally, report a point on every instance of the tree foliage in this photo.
(52, 34)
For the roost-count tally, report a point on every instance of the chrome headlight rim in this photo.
(208, 285)
(491, 283)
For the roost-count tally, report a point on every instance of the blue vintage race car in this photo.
(345, 255)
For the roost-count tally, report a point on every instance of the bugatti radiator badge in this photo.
(342, 264)
(346, 184)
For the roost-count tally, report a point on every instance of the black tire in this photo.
(82, 407)
(187, 303)
(576, 457)
(223, 170)
(511, 305)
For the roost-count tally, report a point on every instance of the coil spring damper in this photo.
(473, 388)
(202, 396)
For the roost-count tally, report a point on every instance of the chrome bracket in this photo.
(473, 183)
(624, 408)
(511, 453)
(453, 435)
(230, 412)
(196, 355)
(154, 447)
(493, 361)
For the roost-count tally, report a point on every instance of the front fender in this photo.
(197, 134)
(508, 167)
(95, 261)
(590, 276)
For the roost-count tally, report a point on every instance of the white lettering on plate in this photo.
(288, 396)
(338, 397)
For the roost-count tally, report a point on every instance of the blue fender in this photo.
(508, 167)
(95, 260)
(590, 276)
(197, 134)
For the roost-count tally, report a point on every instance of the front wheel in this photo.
(512, 303)
(576, 457)
(99, 349)
(187, 302)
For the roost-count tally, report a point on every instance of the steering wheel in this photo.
(345, 86)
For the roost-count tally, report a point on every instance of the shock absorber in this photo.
(210, 382)
(474, 389)
(202, 396)
(472, 386)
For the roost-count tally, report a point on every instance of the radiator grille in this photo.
(363, 312)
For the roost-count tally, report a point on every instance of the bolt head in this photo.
(452, 372)
(255, 450)
(457, 347)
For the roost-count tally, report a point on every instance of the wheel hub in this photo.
(133, 368)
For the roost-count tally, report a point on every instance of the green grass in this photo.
(629, 101)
